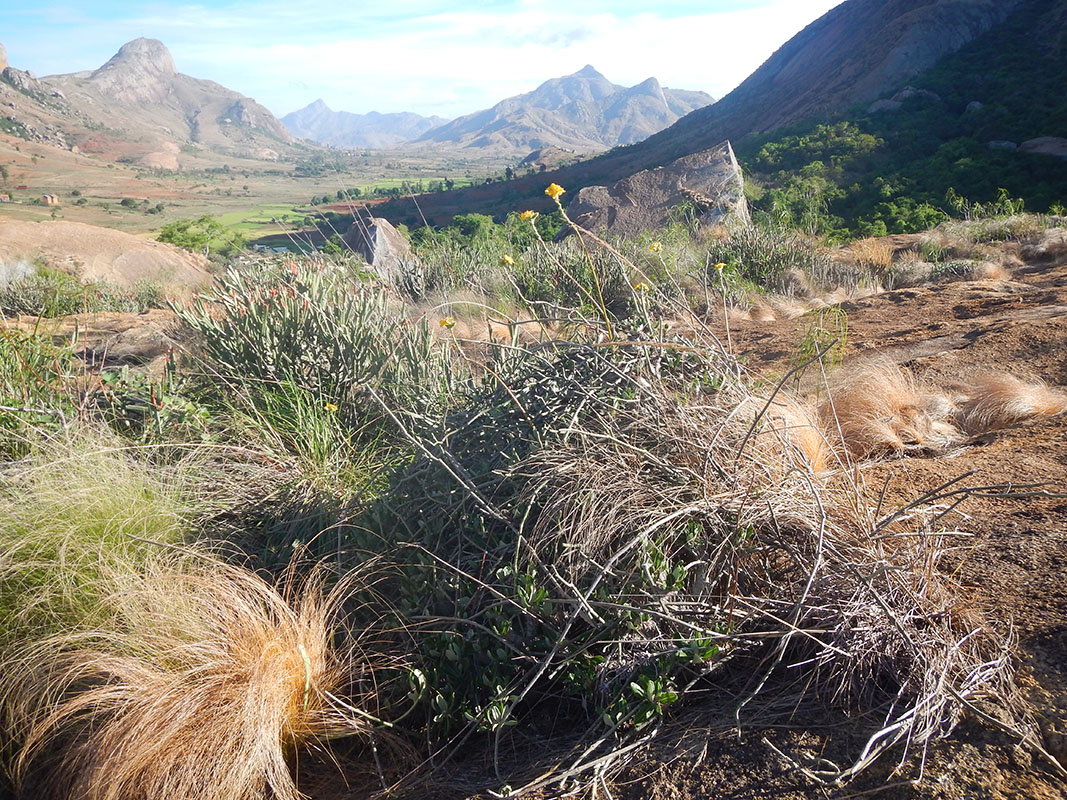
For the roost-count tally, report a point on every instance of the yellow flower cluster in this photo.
(554, 190)
(655, 247)
(525, 216)
(508, 260)
(331, 407)
(448, 323)
(642, 287)
(720, 266)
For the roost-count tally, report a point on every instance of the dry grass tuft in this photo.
(203, 683)
(873, 254)
(991, 271)
(997, 400)
(799, 440)
(877, 408)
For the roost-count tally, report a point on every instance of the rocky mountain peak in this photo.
(142, 55)
(140, 72)
(589, 71)
(3, 58)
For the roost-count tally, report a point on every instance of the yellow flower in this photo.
(720, 266)
(655, 247)
(642, 287)
(527, 215)
(331, 407)
(448, 322)
(508, 260)
(554, 190)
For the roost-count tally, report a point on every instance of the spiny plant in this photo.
(51, 293)
(311, 325)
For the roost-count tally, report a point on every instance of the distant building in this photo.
(5, 198)
(50, 199)
(23, 187)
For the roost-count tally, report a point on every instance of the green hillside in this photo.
(866, 173)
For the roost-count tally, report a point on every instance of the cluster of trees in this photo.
(202, 235)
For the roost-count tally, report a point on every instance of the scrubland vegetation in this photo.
(547, 489)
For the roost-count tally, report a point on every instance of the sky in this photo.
(426, 56)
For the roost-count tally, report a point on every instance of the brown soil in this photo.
(1011, 566)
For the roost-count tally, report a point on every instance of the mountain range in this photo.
(138, 108)
(319, 123)
(855, 53)
(584, 112)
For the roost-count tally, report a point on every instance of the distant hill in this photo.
(584, 112)
(138, 108)
(854, 53)
(319, 123)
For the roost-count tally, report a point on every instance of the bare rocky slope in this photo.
(584, 112)
(91, 253)
(320, 123)
(137, 108)
(855, 53)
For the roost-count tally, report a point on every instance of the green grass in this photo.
(260, 219)
(80, 507)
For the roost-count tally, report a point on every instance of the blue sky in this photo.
(426, 56)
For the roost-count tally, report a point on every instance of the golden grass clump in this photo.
(203, 683)
(798, 437)
(872, 253)
(996, 400)
(878, 408)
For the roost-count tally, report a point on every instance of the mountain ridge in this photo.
(319, 123)
(139, 108)
(583, 111)
(855, 52)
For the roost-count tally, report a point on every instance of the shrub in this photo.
(312, 326)
(778, 260)
(39, 389)
(51, 293)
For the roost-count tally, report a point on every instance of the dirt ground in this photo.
(1012, 566)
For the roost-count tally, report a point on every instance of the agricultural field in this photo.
(247, 195)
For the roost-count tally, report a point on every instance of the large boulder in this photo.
(387, 252)
(1046, 145)
(709, 184)
(101, 254)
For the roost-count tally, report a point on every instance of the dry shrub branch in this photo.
(617, 525)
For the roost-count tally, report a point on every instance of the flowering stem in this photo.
(592, 269)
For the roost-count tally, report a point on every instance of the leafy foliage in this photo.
(870, 174)
(203, 235)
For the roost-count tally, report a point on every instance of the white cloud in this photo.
(424, 56)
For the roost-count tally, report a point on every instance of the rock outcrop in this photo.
(1046, 146)
(100, 254)
(140, 72)
(708, 184)
(3, 58)
(386, 251)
